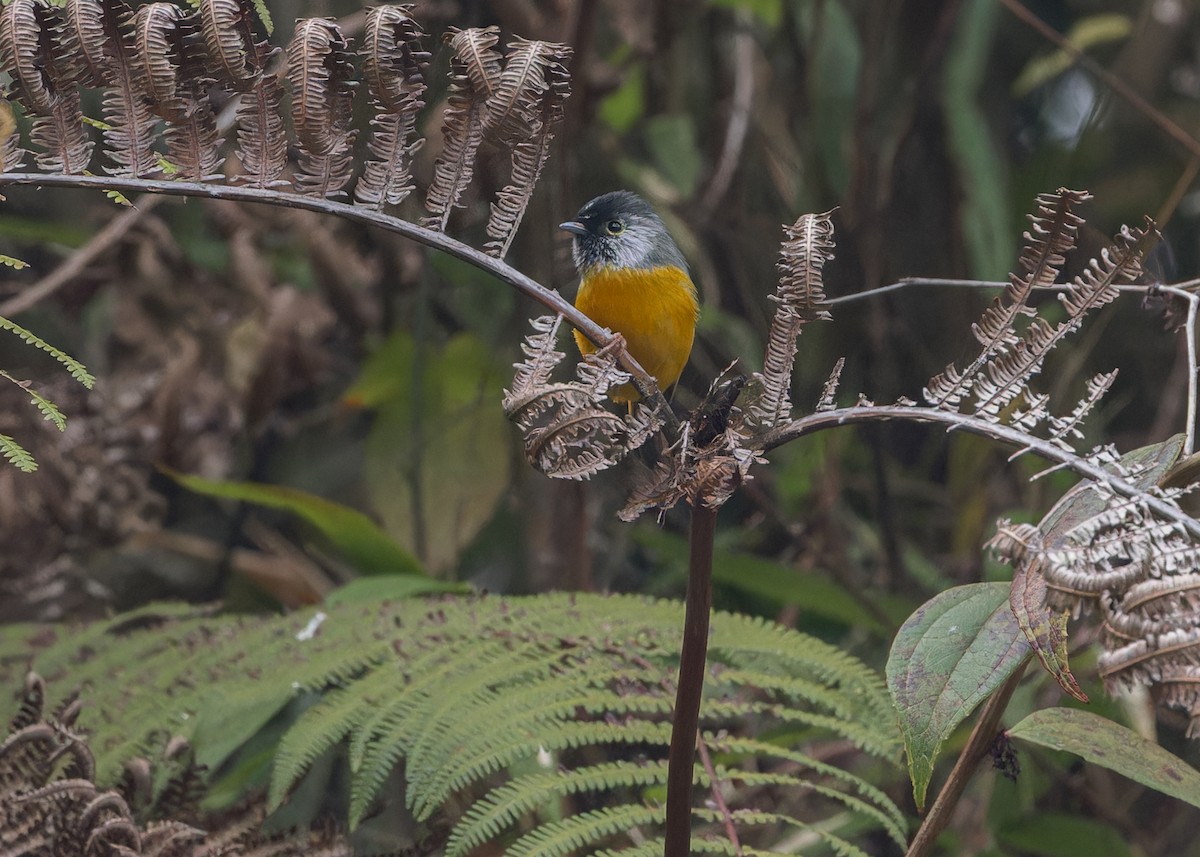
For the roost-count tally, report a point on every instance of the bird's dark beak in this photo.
(574, 227)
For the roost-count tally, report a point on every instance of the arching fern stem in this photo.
(359, 214)
(975, 425)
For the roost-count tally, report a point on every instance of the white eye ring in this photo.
(614, 227)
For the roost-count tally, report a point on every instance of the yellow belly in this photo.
(655, 310)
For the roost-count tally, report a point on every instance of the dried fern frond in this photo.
(31, 52)
(321, 75)
(394, 64)
(1006, 376)
(474, 73)
(800, 297)
(170, 54)
(98, 42)
(240, 64)
(51, 804)
(523, 113)
(1140, 569)
(567, 432)
(1050, 237)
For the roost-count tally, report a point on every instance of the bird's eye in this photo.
(614, 227)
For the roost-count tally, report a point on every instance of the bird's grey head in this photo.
(621, 230)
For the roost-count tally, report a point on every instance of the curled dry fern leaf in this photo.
(239, 62)
(523, 113)
(474, 72)
(171, 63)
(99, 45)
(321, 75)
(468, 693)
(1050, 237)
(1115, 555)
(394, 66)
(567, 432)
(808, 245)
(31, 52)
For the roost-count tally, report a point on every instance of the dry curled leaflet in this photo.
(160, 67)
(50, 803)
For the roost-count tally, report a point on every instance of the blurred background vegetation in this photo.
(244, 344)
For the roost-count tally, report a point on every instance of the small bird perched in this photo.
(634, 281)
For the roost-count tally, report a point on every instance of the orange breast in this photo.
(654, 309)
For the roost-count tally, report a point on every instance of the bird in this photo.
(634, 281)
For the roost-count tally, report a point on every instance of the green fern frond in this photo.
(505, 806)
(49, 410)
(472, 697)
(78, 371)
(13, 262)
(17, 455)
(560, 838)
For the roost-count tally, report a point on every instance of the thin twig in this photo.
(1189, 445)
(984, 428)
(739, 119)
(80, 259)
(940, 282)
(1120, 87)
(508, 275)
(693, 655)
(1183, 290)
(718, 798)
(982, 737)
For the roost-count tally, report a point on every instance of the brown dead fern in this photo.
(394, 65)
(51, 805)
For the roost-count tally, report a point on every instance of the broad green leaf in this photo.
(353, 534)
(770, 12)
(386, 587)
(1085, 33)
(1110, 745)
(621, 109)
(1046, 630)
(947, 658)
(812, 592)
(440, 451)
(829, 32)
(1055, 834)
(986, 222)
(671, 140)
(227, 721)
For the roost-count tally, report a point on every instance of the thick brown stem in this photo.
(692, 659)
(977, 747)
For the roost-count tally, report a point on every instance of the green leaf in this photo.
(13, 262)
(227, 721)
(829, 32)
(355, 535)
(621, 109)
(770, 12)
(440, 451)
(980, 163)
(947, 658)
(386, 587)
(672, 144)
(1085, 33)
(1053, 834)
(1110, 745)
